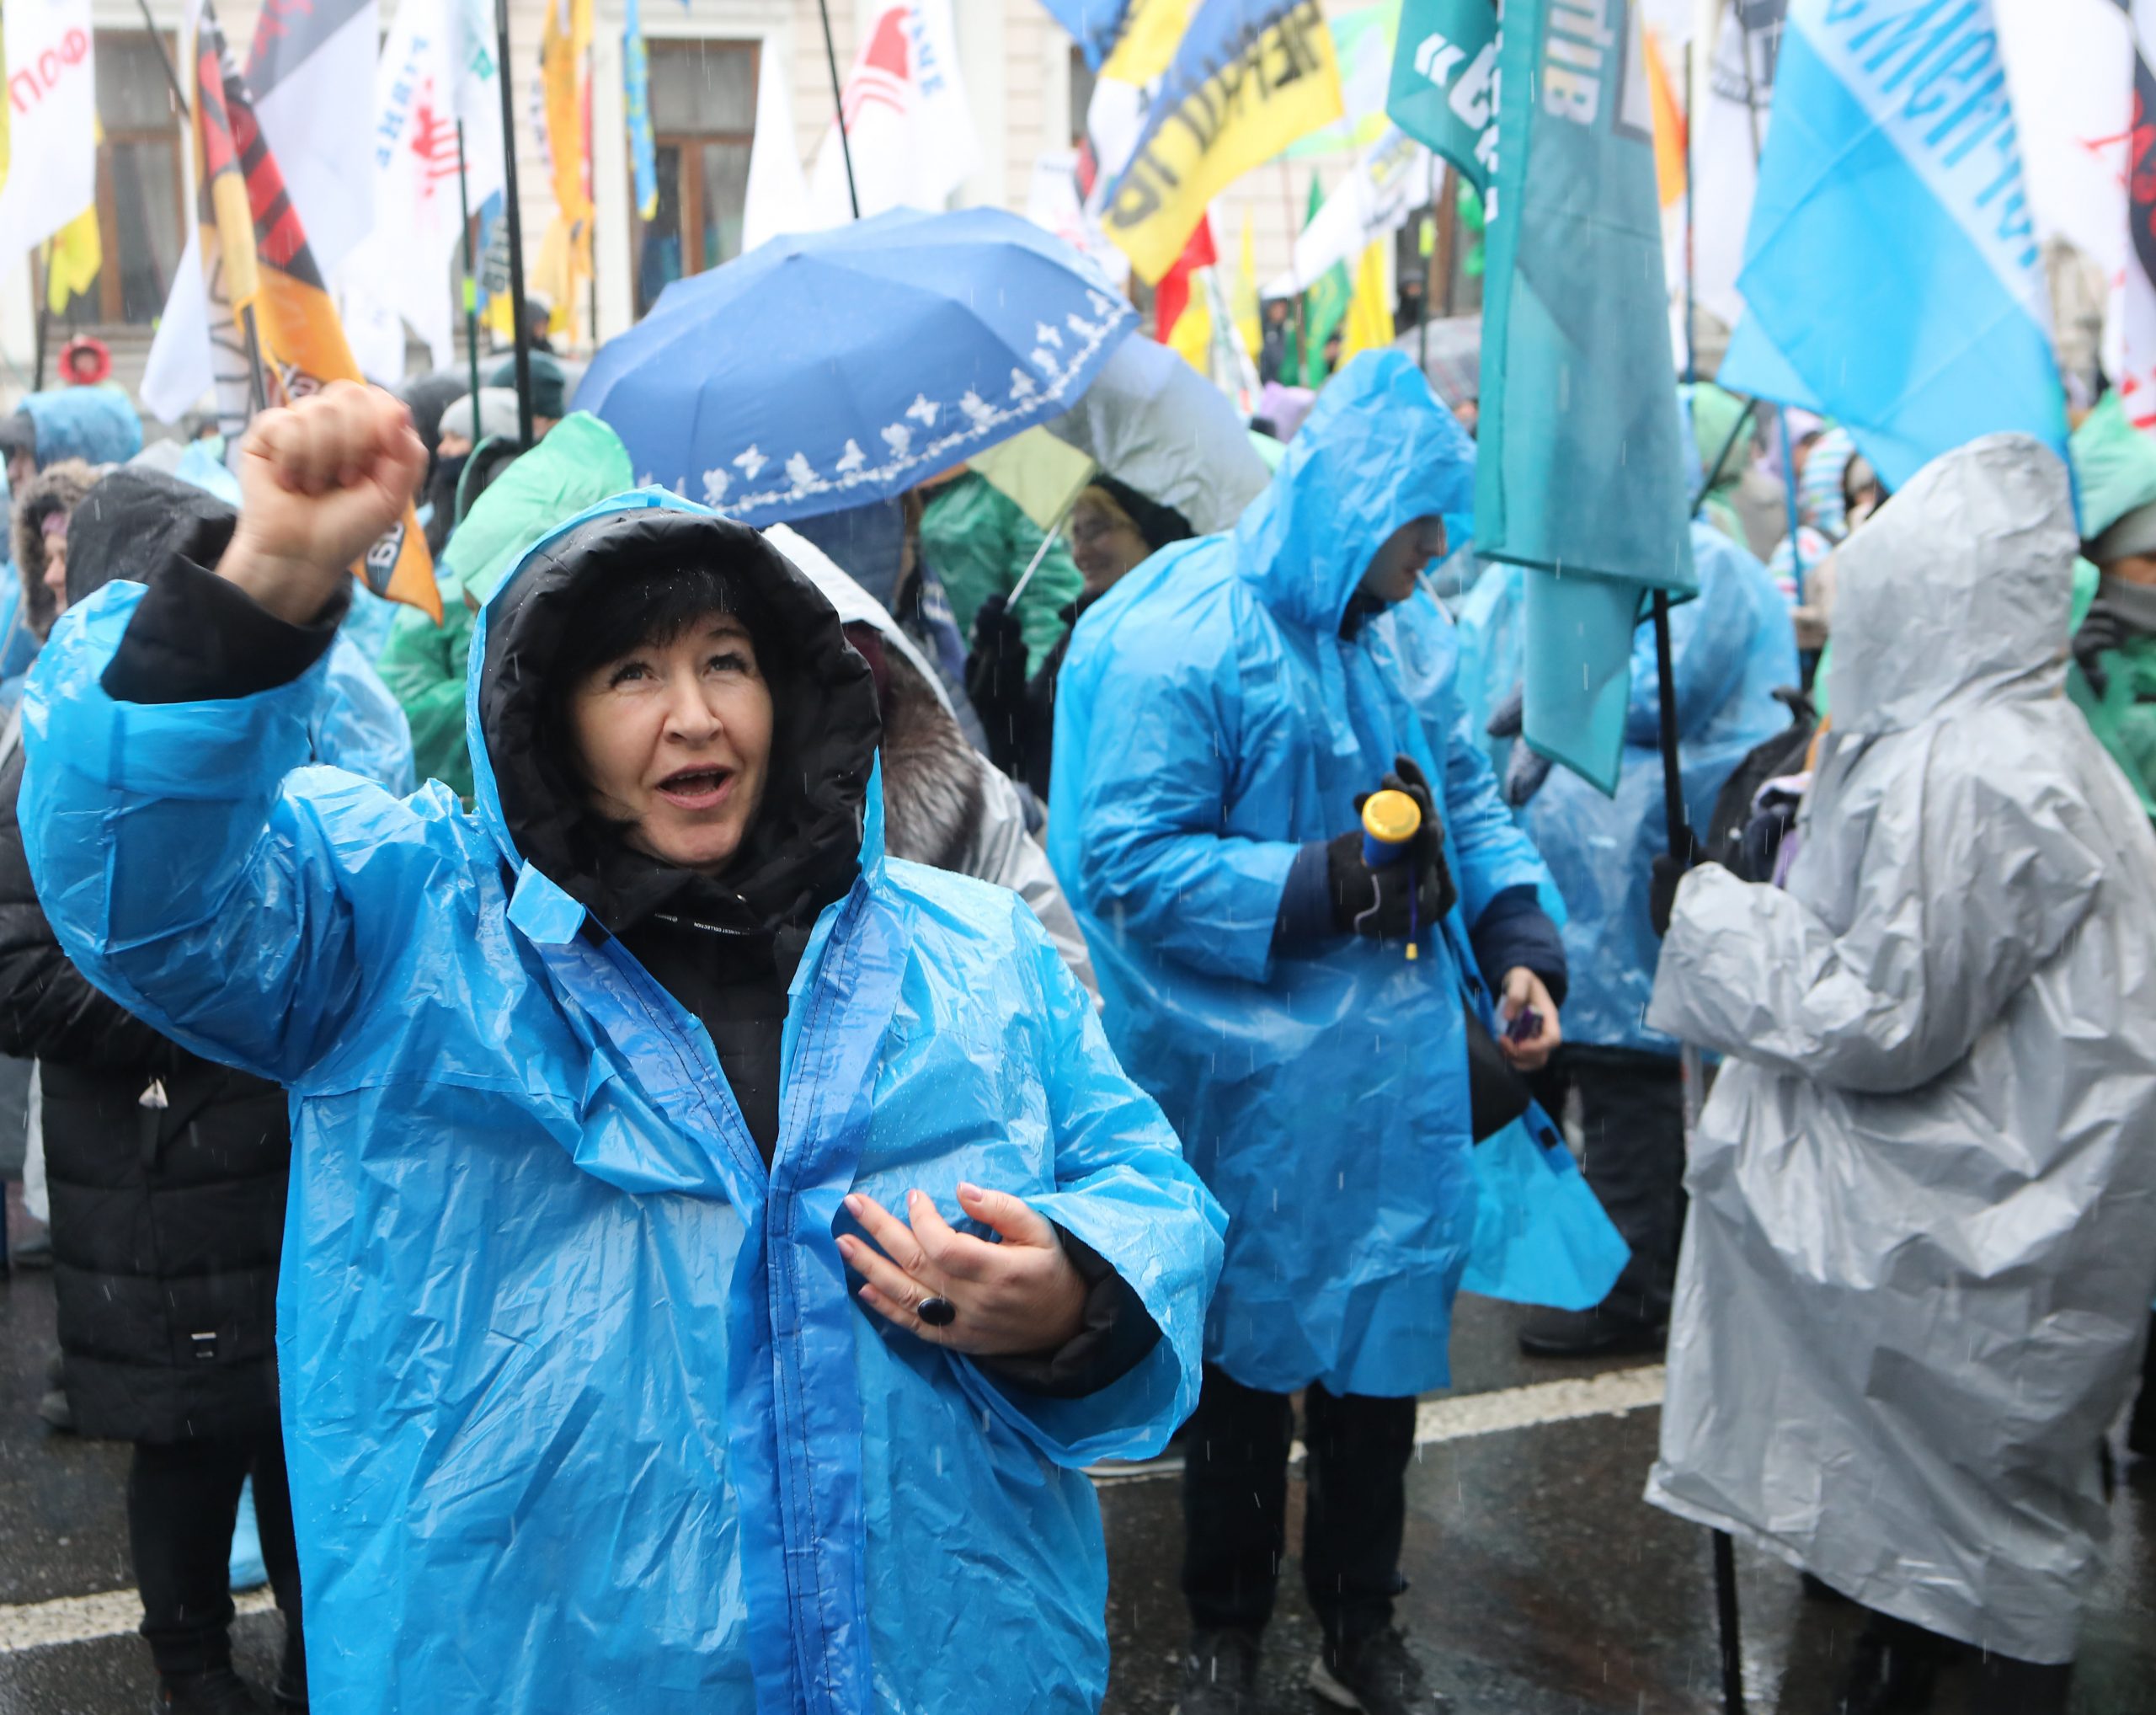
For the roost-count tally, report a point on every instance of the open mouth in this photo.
(696, 788)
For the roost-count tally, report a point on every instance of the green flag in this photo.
(1444, 89)
(1324, 305)
(1580, 473)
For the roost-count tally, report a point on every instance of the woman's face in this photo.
(1104, 542)
(55, 560)
(675, 740)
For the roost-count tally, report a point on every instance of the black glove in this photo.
(1669, 870)
(995, 669)
(1509, 719)
(1525, 770)
(2102, 632)
(1380, 903)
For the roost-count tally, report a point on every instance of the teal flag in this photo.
(1443, 92)
(1580, 475)
(636, 91)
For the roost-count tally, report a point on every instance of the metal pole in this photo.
(1430, 275)
(838, 106)
(519, 315)
(43, 315)
(257, 392)
(172, 76)
(1732, 1661)
(471, 283)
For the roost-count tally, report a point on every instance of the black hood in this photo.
(138, 518)
(804, 849)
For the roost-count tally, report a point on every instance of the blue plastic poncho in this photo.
(581, 1412)
(1734, 645)
(1210, 721)
(359, 727)
(97, 424)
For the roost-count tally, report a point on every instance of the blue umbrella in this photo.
(826, 370)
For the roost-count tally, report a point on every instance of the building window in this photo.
(1081, 94)
(703, 117)
(140, 184)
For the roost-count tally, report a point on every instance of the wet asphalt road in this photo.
(1541, 1584)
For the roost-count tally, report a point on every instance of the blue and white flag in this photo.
(1893, 276)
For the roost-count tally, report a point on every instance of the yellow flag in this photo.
(564, 260)
(1367, 326)
(1191, 338)
(1245, 82)
(73, 259)
(1250, 321)
(1152, 30)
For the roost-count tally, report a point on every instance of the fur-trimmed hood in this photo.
(58, 488)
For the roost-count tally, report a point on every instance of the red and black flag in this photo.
(258, 268)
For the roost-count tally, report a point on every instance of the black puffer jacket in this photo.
(167, 1221)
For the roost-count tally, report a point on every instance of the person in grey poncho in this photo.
(1922, 1239)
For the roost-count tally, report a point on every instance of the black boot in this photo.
(1598, 1332)
(289, 1692)
(2006, 1687)
(1376, 1672)
(1894, 1670)
(220, 1692)
(1219, 1672)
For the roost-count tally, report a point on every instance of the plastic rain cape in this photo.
(1209, 721)
(1916, 1276)
(581, 1414)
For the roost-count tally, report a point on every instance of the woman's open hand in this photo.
(1020, 1296)
(322, 483)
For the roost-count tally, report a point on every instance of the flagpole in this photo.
(258, 393)
(1691, 313)
(838, 105)
(471, 283)
(518, 316)
(172, 76)
(1430, 275)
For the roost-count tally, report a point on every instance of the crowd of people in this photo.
(636, 1119)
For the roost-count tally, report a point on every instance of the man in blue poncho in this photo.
(1733, 646)
(1222, 714)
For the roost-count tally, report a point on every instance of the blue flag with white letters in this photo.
(1893, 277)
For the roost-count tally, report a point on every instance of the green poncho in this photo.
(2115, 466)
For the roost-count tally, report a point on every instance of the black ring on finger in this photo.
(936, 1312)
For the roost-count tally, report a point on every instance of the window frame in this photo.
(690, 187)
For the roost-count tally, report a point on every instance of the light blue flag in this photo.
(636, 91)
(1581, 475)
(1892, 274)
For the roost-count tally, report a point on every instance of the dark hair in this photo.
(646, 610)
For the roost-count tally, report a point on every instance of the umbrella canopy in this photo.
(1154, 422)
(823, 370)
(1453, 359)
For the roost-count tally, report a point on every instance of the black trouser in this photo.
(2005, 1686)
(182, 1500)
(1235, 1494)
(1632, 1107)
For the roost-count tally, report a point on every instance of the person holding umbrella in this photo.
(1320, 1020)
(700, 1225)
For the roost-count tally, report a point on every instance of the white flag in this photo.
(52, 152)
(436, 67)
(1392, 179)
(906, 117)
(1726, 142)
(777, 199)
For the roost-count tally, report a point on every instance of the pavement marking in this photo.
(1614, 1393)
(78, 1619)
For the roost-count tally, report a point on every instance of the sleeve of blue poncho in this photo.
(1155, 857)
(1123, 1189)
(183, 872)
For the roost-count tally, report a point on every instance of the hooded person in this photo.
(44, 511)
(1113, 528)
(944, 805)
(1222, 714)
(1917, 1273)
(1732, 648)
(979, 542)
(610, 1378)
(455, 445)
(97, 424)
(167, 1178)
(424, 665)
(1714, 414)
(2113, 678)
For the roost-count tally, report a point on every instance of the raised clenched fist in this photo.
(321, 483)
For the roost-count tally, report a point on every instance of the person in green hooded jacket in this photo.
(979, 542)
(2113, 678)
(580, 462)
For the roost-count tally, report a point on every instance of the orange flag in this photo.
(258, 267)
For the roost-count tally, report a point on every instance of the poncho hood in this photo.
(1956, 593)
(1378, 451)
(95, 424)
(810, 838)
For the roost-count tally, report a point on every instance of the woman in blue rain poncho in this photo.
(1221, 713)
(599, 1095)
(1732, 646)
